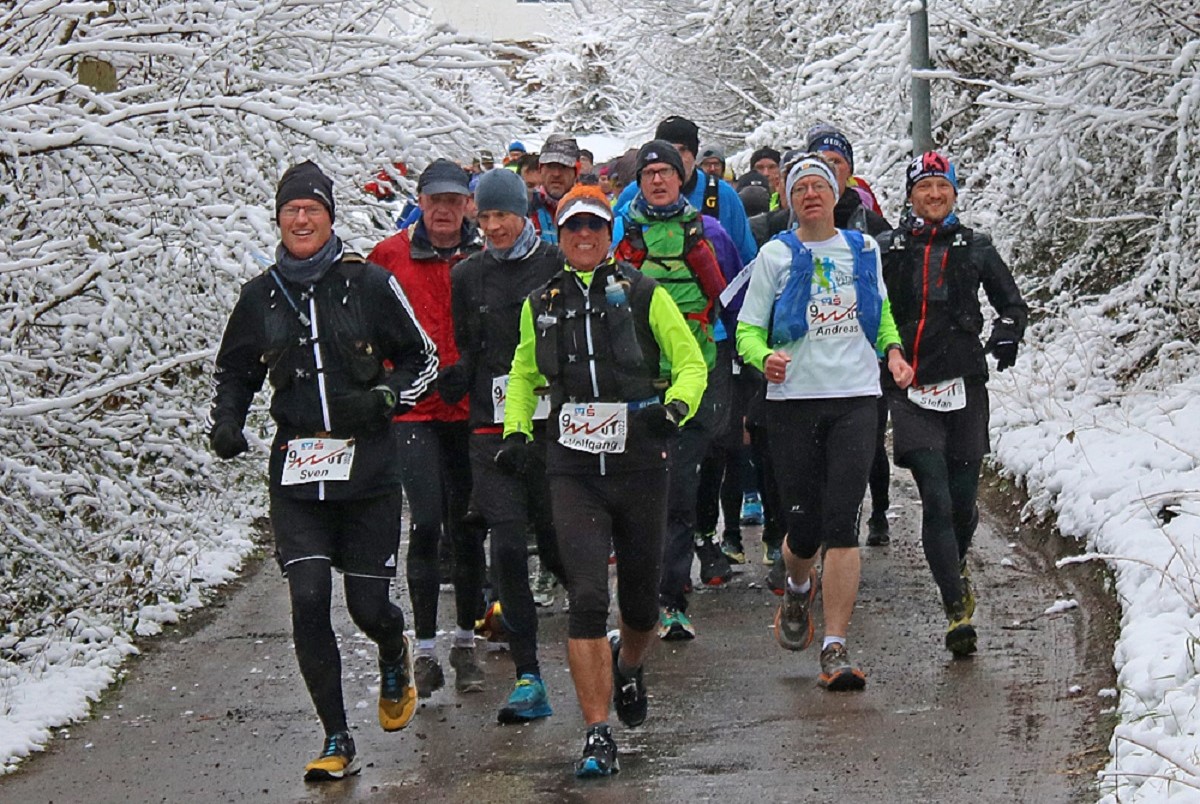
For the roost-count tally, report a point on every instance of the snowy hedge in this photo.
(139, 147)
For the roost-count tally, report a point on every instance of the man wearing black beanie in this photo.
(712, 196)
(320, 324)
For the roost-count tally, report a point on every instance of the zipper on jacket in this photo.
(321, 394)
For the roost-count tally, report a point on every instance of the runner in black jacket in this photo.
(337, 338)
(934, 267)
(487, 291)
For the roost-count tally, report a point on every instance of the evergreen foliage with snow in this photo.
(139, 147)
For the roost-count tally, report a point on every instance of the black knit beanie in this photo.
(679, 131)
(659, 151)
(304, 180)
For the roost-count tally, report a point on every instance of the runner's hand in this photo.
(514, 455)
(663, 420)
(227, 440)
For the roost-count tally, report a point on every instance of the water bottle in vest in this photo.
(614, 291)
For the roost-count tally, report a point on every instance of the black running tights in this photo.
(949, 515)
(311, 586)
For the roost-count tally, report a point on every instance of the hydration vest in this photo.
(692, 277)
(589, 349)
(790, 314)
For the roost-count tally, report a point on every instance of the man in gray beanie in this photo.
(487, 291)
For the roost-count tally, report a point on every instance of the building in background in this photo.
(503, 20)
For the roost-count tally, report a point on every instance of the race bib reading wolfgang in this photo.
(312, 459)
(594, 426)
(500, 395)
(942, 397)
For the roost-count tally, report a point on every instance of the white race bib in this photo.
(500, 395)
(941, 397)
(829, 317)
(312, 459)
(594, 426)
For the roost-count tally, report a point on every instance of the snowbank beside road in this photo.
(1120, 471)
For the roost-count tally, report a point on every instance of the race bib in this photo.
(941, 397)
(312, 459)
(830, 317)
(500, 394)
(594, 426)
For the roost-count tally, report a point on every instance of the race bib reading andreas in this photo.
(594, 426)
(941, 397)
(312, 459)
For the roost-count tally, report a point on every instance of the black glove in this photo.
(454, 382)
(357, 410)
(1003, 343)
(663, 420)
(227, 440)
(514, 456)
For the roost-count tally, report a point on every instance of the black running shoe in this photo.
(878, 532)
(599, 756)
(629, 692)
(714, 566)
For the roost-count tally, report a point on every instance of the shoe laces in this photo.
(598, 739)
(333, 745)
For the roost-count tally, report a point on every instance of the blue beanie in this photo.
(827, 138)
(502, 189)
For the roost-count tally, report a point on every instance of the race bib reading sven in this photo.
(500, 395)
(312, 459)
(942, 397)
(594, 426)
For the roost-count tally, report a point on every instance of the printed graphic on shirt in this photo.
(833, 308)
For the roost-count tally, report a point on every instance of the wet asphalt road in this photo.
(220, 714)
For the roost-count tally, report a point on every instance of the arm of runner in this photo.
(413, 354)
(523, 378)
(239, 369)
(689, 372)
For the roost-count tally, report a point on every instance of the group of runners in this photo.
(555, 364)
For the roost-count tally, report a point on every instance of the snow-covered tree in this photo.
(139, 146)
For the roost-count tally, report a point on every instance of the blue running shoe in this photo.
(599, 754)
(527, 702)
(752, 510)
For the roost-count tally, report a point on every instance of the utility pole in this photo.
(918, 25)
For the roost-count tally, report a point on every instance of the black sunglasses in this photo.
(577, 223)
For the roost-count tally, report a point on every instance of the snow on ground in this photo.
(1118, 471)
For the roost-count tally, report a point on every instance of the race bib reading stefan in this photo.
(942, 397)
(312, 459)
(594, 426)
(500, 395)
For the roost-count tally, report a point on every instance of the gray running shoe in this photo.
(838, 673)
(544, 586)
(793, 619)
(428, 675)
(468, 675)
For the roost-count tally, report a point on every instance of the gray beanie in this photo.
(504, 190)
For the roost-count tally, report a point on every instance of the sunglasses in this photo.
(577, 223)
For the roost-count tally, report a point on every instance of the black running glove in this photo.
(1003, 343)
(226, 440)
(453, 383)
(514, 455)
(358, 410)
(663, 420)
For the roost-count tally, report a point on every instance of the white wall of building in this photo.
(502, 20)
